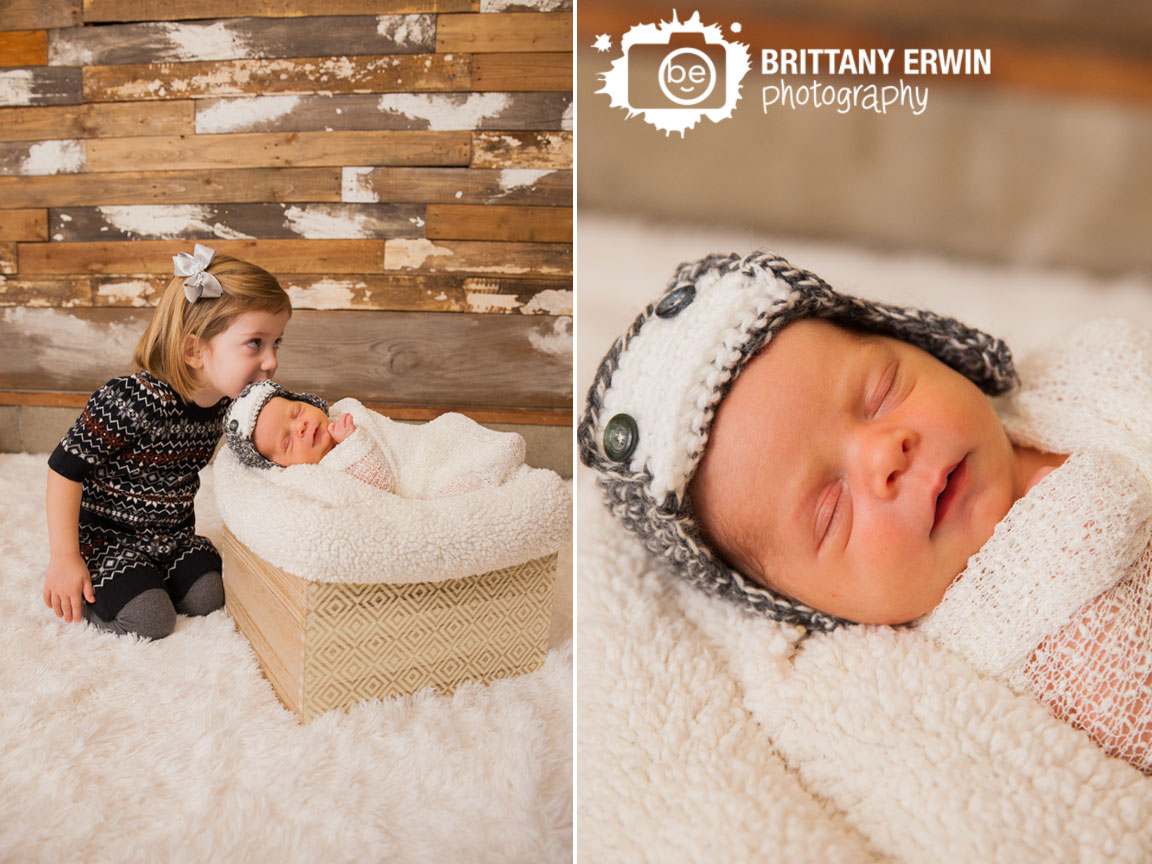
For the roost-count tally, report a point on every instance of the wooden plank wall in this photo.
(403, 166)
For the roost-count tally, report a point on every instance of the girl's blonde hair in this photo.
(246, 288)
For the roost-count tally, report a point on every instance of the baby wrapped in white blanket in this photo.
(367, 499)
(821, 458)
(1058, 603)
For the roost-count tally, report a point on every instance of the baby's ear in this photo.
(192, 352)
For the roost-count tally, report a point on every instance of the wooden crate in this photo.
(328, 645)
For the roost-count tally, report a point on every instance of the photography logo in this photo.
(676, 72)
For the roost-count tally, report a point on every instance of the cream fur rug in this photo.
(115, 749)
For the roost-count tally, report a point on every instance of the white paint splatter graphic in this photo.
(356, 186)
(558, 342)
(243, 115)
(54, 157)
(408, 30)
(446, 111)
(168, 222)
(566, 121)
(675, 110)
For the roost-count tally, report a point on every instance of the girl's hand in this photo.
(66, 581)
(341, 428)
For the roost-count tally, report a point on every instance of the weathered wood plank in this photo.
(8, 258)
(522, 71)
(103, 120)
(503, 294)
(40, 85)
(176, 10)
(280, 149)
(489, 222)
(23, 224)
(373, 74)
(414, 358)
(241, 39)
(38, 14)
(41, 157)
(155, 256)
(456, 186)
(67, 292)
(466, 256)
(511, 111)
(302, 256)
(137, 291)
(166, 187)
(436, 293)
(23, 48)
(236, 221)
(504, 31)
(525, 6)
(478, 360)
(417, 293)
(551, 150)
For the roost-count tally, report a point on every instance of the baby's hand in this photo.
(341, 428)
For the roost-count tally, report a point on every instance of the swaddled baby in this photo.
(824, 459)
(270, 427)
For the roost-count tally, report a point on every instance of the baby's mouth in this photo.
(953, 485)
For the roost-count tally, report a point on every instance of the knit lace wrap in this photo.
(1058, 603)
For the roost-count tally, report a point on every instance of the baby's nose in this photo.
(887, 455)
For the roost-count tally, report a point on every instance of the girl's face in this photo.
(855, 474)
(243, 353)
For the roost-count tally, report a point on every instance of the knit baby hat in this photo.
(650, 408)
(240, 423)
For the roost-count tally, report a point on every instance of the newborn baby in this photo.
(270, 427)
(823, 459)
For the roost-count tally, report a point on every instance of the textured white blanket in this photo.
(705, 734)
(325, 525)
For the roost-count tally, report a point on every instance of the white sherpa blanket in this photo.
(706, 734)
(325, 525)
(113, 749)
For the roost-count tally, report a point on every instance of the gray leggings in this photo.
(152, 614)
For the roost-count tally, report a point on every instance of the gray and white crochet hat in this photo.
(650, 409)
(240, 422)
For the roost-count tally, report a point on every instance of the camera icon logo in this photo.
(683, 72)
(677, 72)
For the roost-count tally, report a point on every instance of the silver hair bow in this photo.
(200, 283)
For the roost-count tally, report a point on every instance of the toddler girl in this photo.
(123, 480)
(823, 459)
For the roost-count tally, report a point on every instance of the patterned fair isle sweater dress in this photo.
(137, 450)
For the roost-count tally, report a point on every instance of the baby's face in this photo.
(292, 433)
(856, 474)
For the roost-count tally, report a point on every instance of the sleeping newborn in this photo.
(270, 427)
(824, 459)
